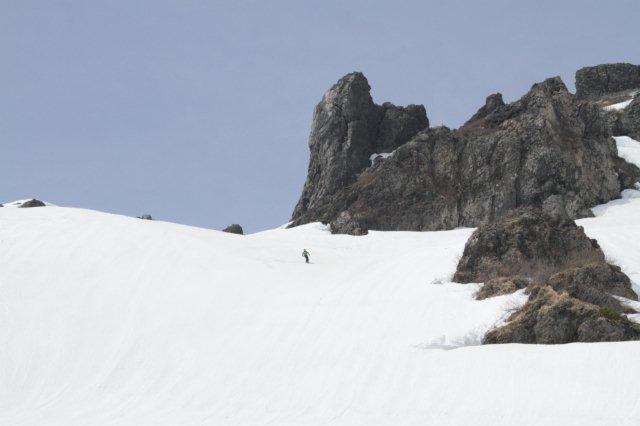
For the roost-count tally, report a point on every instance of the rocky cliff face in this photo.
(611, 84)
(347, 129)
(547, 149)
(595, 82)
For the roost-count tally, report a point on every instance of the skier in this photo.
(306, 255)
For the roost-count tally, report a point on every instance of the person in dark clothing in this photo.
(306, 255)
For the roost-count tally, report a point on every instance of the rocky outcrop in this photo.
(347, 128)
(546, 149)
(550, 317)
(32, 203)
(595, 283)
(629, 121)
(346, 224)
(611, 84)
(234, 229)
(626, 122)
(594, 82)
(571, 287)
(145, 217)
(526, 242)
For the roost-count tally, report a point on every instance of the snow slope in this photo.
(110, 320)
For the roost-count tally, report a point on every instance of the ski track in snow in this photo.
(110, 320)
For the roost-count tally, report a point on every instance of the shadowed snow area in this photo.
(106, 319)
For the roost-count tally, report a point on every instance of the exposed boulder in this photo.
(347, 128)
(234, 229)
(32, 203)
(595, 283)
(547, 148)
(145, 217)
(594, 82)
(346, 224)
(550, 317)
(526, 242)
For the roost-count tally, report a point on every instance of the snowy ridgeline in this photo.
(106, 319)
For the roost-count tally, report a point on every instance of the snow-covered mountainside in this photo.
(107, 319)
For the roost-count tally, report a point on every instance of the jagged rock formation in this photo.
(234, 229)
(610, 84)
(33, 203)
(525, 242)
(594, 82)
(571, 287)
(550, 317)
(348, 127)
(546, 149)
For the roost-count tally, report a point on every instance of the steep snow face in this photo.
(113, 320)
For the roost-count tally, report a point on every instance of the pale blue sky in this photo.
(198, 112)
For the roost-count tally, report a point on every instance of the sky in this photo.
(198, 112)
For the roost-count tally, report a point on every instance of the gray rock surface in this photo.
(492, 105)
(234, 229)
(347, 128)
(346, 224)
(548, 148)
(146, 217)
(627, 121)
(594, 82)
(32, 203)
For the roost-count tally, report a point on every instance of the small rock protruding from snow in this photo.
(145, 217)
(32, 203)
(234, 229)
